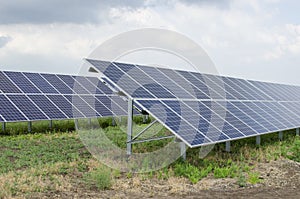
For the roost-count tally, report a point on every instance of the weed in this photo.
(99, 178)
(253, 178)
(294, 152)
(242, 182)
(191, 172)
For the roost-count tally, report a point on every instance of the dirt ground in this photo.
(279, 179)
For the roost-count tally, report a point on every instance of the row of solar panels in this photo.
(31, 107)
(33, 96)
(206, 122)
(150, 82)
(18, 82)
(204, 109)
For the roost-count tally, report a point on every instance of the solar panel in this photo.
(29, 109)
(40, 83)
(10, 112)
(73, 84)
(66, 106)
(58, 84)
(34, 96)
(50, 109)
(22, 82)
(6, 85)
(202, 109)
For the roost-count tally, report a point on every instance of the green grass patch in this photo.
(47, 160)
(99, 179)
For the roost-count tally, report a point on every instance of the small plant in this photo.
(242, 182)
(253, 178)
(225, 172)
(191, 172)
(294, 151)
(99, 179)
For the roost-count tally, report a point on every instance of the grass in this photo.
(99, 179)
(54, 161)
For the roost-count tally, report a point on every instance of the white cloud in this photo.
(241, 36)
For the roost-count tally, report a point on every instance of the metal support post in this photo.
(227, 148)
(129, 126)
(183, 150)
(297, 132)
(90, 122)
(50, 124)
(3, 126)
(113, 122)
(258, 140)
(280, 135)
(76, 124)
(144, 119)
(29, 126)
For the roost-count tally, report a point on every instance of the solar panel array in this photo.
(33, 96)
(202, 109)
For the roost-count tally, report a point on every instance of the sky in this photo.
(253, 39)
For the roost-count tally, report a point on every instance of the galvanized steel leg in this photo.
(258, 140)
(280, 135)
(227, 148)
(29, 126)
(183, 150)
(3, 126)
(76, 124)
(90, 122)
(297, 132)
(113, 122)
(129, 126)
(50, 124)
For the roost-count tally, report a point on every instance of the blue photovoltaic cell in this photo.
(104, 111)
(6, 86)
(84, 108)
(200, 89)
(162, 79)
(64, 105)
(87, 85)
(47, 106)
(112, 105)
(27, 107)
(235, 90)
(114, 73)
(292, 106)
(58, 84)
(235, 122)
(9, 112)
(263, 113)
(275, 114)
(218, 88)
(22, 82)
(119, 77)
(158, 90)
(245, 118)
(102, 88)
(174, 122)
(285, 113)
(255, 115)
(74, 85)
(41, 83)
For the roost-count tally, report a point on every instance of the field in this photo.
(56, 164)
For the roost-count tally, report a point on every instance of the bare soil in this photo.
(279, 179)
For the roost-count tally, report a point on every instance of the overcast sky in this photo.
(254, 39)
